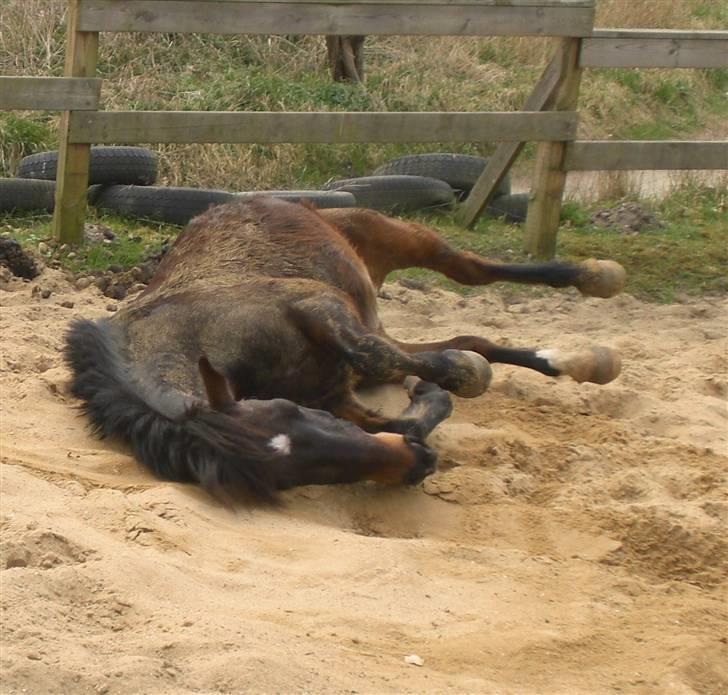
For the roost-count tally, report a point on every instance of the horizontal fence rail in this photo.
(640, 48)
(634, 155)
(408, 17)
(49, 93)
(126, 127)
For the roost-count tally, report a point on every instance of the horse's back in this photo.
(262, 237)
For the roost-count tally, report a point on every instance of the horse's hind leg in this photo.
(598, 365)
(387, 244)
(332, 324)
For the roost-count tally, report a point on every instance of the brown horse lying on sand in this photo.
(236, 367)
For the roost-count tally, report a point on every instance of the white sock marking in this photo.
(553, 357)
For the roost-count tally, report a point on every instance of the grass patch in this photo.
(21, 135)
(711, 11)
(132, 242)
(685, 258)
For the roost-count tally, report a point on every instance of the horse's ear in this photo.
(219, 394)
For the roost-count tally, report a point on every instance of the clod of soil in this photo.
(20, 262)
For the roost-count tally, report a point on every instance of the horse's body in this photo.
(239, 361)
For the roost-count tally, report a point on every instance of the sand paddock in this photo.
(573, 540)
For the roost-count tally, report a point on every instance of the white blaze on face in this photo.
(281, 443)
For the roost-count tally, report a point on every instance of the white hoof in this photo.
(601, 278)
(598, 365)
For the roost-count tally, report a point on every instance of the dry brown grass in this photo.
(152, 71)
(648, 14)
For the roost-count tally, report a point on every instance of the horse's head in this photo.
(309, 446)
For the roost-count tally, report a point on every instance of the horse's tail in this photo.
(176, 438)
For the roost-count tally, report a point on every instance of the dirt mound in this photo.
(14, 260)
(572, 541)
(628, 216)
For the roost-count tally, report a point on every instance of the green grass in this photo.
(21, 135)
(712, 11)
(686, 257)
(133, 241)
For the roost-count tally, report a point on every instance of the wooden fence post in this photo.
(507, 152)
(544, 210)
(73, 159)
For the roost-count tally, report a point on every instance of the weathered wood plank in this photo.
(617, 33)
(221, 17)
(626, 155)
(544, 209)
(640, 51)
(122, 127)
(73, 159)
(505, 154)
(49, 93)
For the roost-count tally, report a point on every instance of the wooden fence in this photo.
(549, 115)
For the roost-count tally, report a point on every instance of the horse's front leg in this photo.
(429, 405)
(598, 365)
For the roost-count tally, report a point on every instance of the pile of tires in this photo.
(34, 187)
(179, 205)
(121, 181)
(422, 181)
(396, 194)
(460, 172)
(130, 165)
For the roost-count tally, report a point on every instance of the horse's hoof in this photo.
(470, 373)
(599, 365)
(601, 278)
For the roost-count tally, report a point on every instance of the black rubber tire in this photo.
(512, 208)
(461, 171)
(161, 203)
(109, 165)
(180, 205)
(20, 194)
(396, 193)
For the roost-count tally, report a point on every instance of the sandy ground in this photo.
(572, 542)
